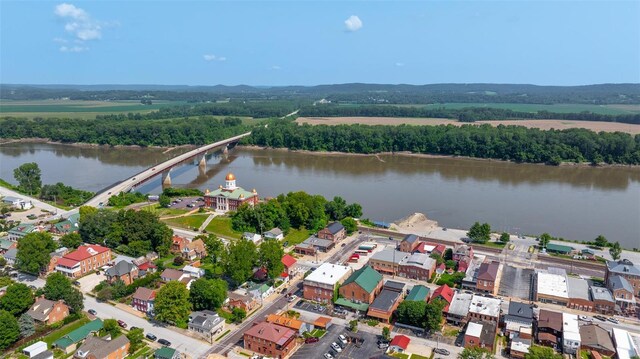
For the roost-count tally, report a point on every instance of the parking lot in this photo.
(516, 282)
(310, 307)
(185, 202)
(367, 349)
(30, 280)
(87, 283)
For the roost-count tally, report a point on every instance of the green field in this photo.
(76, 108)
(187, 222)
(559, 108)
(222, 226)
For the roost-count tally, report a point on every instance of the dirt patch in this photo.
(416, 222)
(541, 124)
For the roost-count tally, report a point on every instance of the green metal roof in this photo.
(233, 194)
(366, 277)
(79, 334)
(164, 353)
(418, 293)
(363, 307)
(559, 248)
(5, 244)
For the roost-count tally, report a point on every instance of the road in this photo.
(185, 344)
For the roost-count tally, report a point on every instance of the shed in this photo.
(558, 248)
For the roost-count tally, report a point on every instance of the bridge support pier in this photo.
(202, 160)
(226, 149)
(166, 178)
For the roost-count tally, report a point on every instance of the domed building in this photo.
(229, 197)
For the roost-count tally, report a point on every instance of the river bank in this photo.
(4, 141)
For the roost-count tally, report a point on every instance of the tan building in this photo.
(409, 243)
(270, 339)
(387, 261)
(47, 312)
(99, 348)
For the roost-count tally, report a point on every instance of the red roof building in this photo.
(83, 260)
(270, 339)
(288, 261)
(445, 293)
(399, 343)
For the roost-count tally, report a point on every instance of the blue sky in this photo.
(319, 42)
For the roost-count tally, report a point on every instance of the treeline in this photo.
(514, 143)
(65, 195)
(193, 131)
(293, 210)
(470, 114)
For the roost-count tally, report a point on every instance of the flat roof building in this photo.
(551, 288)
(483, 308)
(459, 307)
(570, 333)
(321, 283)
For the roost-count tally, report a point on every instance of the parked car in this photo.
(336, 347)
(441, 351)
(121, 323)
(613, 320)
(151, 337)
(328, 356)
(92, 312)
(383, 345)
(292, 298)
(343, 339)
(584, 318)
(600, 317)
(311, 340)
(164, 342)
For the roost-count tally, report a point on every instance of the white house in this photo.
(253, 237)
(275, 233)
(17, 202)
(193, 271)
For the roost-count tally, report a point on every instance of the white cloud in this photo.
(73, 49)
(78, 22)
(399, 64)
(211, 57)
(276, 67)
(353, 23)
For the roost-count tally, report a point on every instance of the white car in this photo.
(343, 339)
(292, 298)
(328, 356)
(336, 347)
(584, 318)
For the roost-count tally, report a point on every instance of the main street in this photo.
(183, 343)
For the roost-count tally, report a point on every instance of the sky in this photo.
(268, 43)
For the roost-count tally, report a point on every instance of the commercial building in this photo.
(622, 292)
(602, 300)
(409, 243)
(458, 311)
(551, 288)
(16, 202)
(627, 345)
(387, 301)
(570, 334)
(480, 334)
(594, 337)
(627, 270)
(83, 260)
(417, 266)
(560, 249)
(321, 283)
(487, 277)
(549, 328)
(483, 308)
(519, 347)
(229, 197)
(362, 285)
(312, 245)
(292, 323)
(387, 261)
(334, 232)
(270, 339)
(578, 292)
(462, 252)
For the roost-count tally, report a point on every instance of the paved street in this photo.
(194, 347)
(37, 203)
(29, 279)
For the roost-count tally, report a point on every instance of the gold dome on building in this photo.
(230, 177)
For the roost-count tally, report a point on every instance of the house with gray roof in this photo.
(101, 348)
(335, 231)
(622, 293)
(519, 315)
(206, 324)
(274, 233)
(10, 256)
(124, 271)
(409, 243)
(627, 270)
(602, 300)
(45, 311)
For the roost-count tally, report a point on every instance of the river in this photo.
(574, 202)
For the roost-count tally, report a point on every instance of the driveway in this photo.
(185, 344)
(29, 279)
(87, 283)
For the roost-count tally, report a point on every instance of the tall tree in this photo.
(540, 352)
(504, 237)
(354, 210)
(545, 238)
(271, 253)
(111, 327)
(215, 248)
(27, 325)
(33, 252)
(135, 337)
(28, 177)
(475, 353)
(59, 287)
(480, 233)
(412, 313)
(349, 224)
(9, 329)
(172, 304)
(601, 241)
(615, 251)
(17, 299)
(240, 259)
(71, 240)
(433, 315)
(208, 294)
(336, 208)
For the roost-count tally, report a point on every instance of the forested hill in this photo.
(351, 92)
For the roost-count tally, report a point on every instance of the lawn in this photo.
(188, 222)
(418, 356)
(76, 108)
(49, 339)
(164, 212)
(493, 244)
(296, 236)
(221, 226)
(400, 355)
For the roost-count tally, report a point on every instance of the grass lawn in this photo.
(296, 236)
(494, 244)
(418, 356)
(400, 355)
(49, 339)
(584, 354)
(164, 212)
(451, 332)
(222, 226)
(188, 222)
(318, 333)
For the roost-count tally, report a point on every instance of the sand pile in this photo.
(416, 222)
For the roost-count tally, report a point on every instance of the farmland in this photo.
(541, 124)
(75, 108)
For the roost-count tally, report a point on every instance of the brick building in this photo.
(362, 286)
(143, 299)
(487, 277)
(229, 197)
(320, 285)
(387, 261)
(99, 348)
(83, 260)
(627, 270)
(270, 339)
(480, 334)
(335, 232)
(124, 271)
(48, 312)
(409, 243)
(417, 266)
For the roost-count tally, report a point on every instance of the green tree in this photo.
(111, 327)
(164, 201)
(545, 238)
(9, 329)
(215, 248)
(601, 241)
(27, 325)
(349, 224)
(17, 299)
(172, 304)
(540, 352)
(208, 294)
(135, 337)
(479, 233)
(615, 251)
(353, 325)
(270, 256)
(28, 177)
(238, 315)
(58, 286)
(354, 210)
(105, 294)
(504, 237)
(448, 254)
(412, 313)
(438, 258)
(33, 252)
(433, 315)
(71, 240)
(3, 262)
(475, 353)
(450, 264)
(240, 259)
(336, 208)
(386, 333)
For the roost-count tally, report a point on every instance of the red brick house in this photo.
(270, 339)
(124, 271)
(480, 334)
(245, 302)
(143, 299)
(83, 260)
(487, 276)
(178, 244)
(443, 292)
(289, 262)
(334, 232)
(409, 243)
(48, 312)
